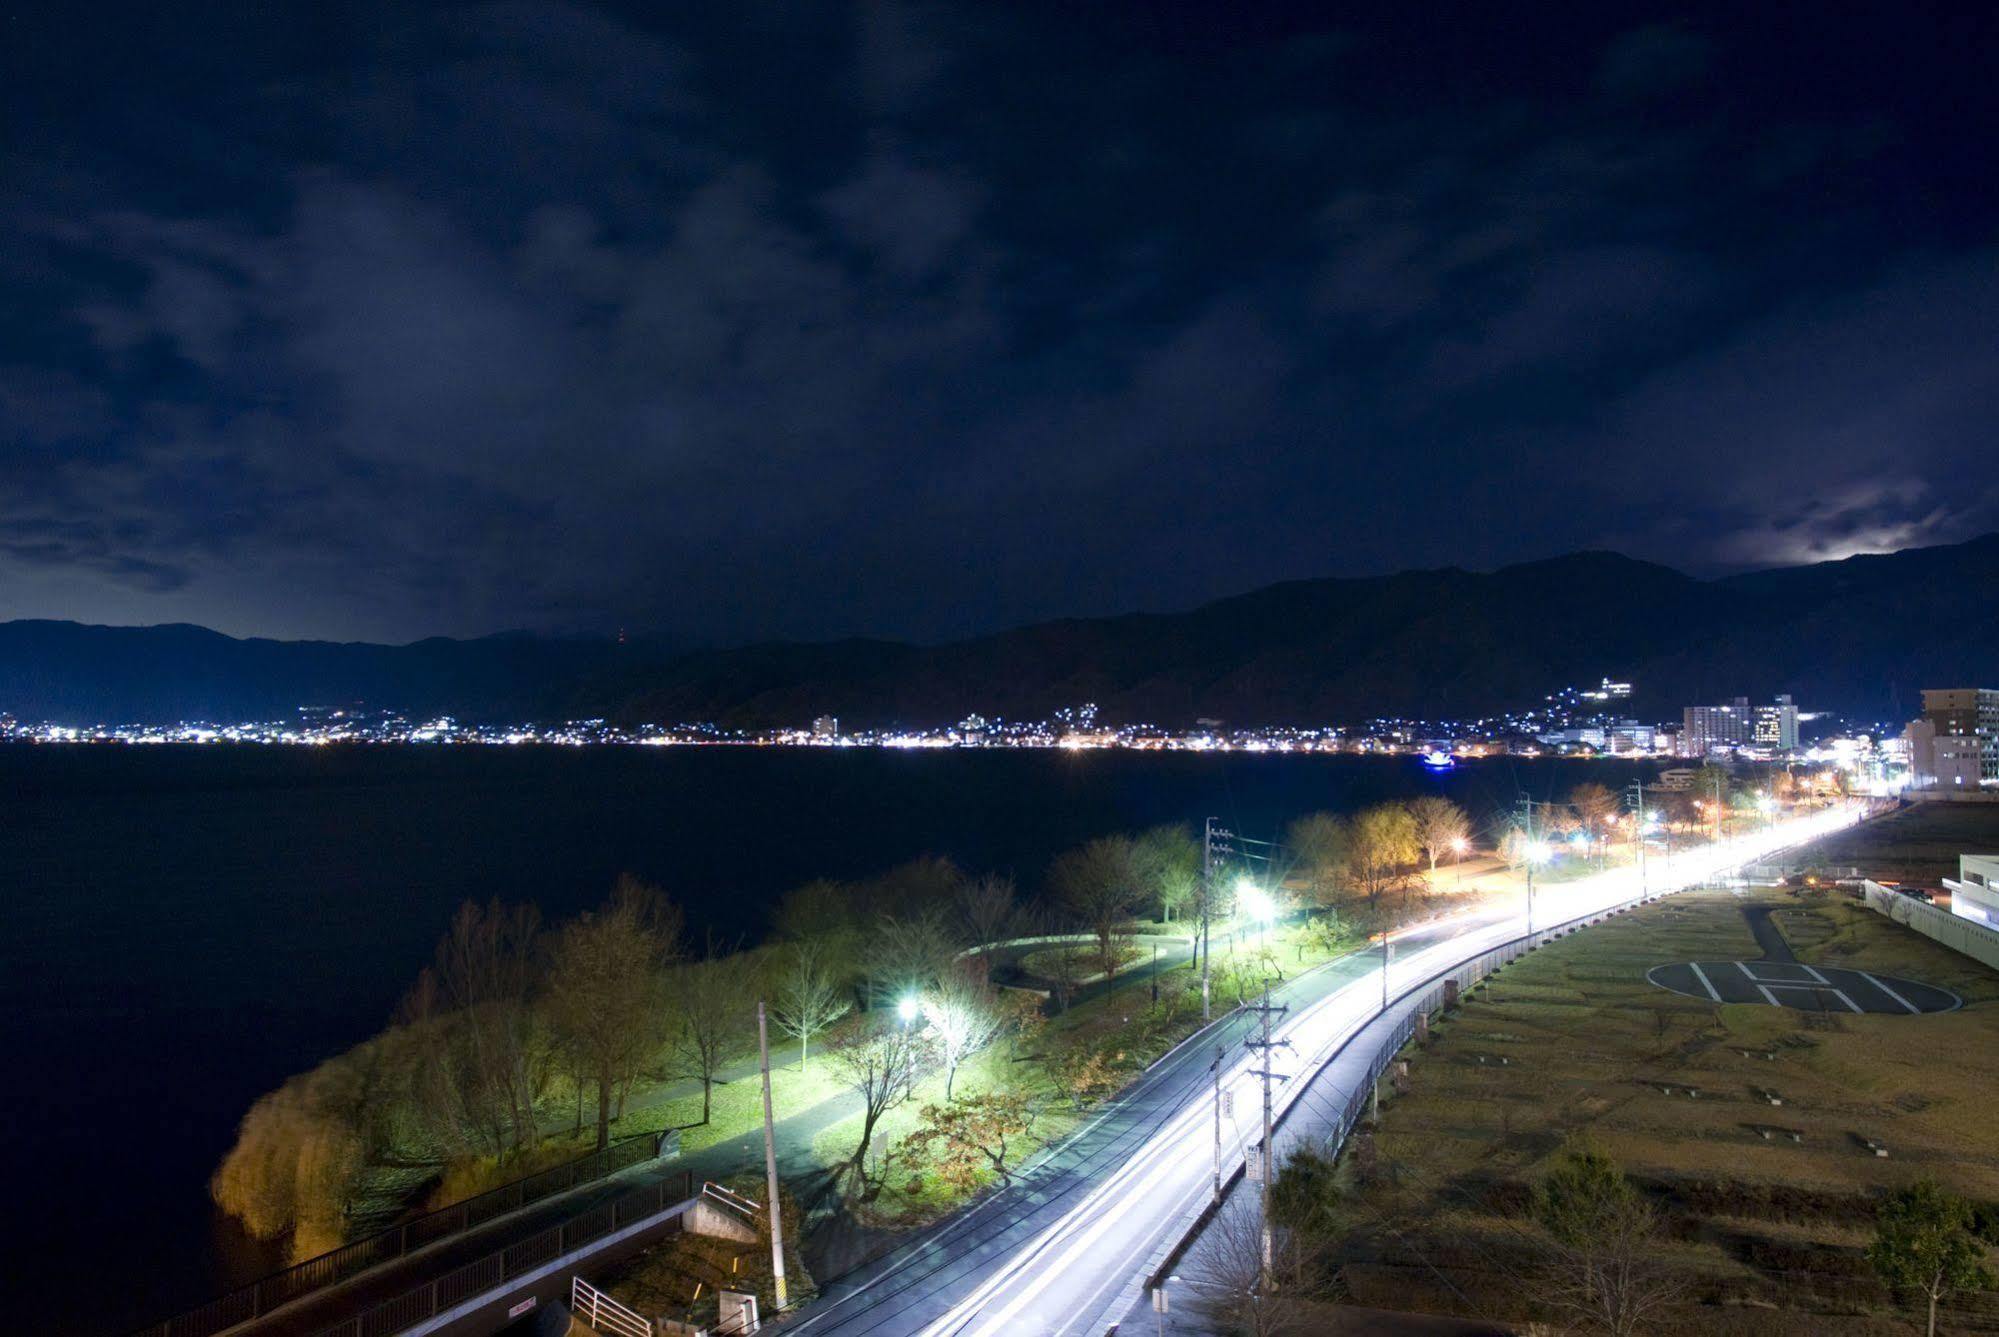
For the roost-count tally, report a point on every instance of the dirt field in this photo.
(1919, 843)
(1766, 1232)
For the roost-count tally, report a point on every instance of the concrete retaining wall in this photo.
(1960, 935)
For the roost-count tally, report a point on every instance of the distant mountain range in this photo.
(1861, 636)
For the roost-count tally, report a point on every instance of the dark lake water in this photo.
(183, 928)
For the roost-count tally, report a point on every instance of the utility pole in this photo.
(1527, 827)
(1387, 955)
(1638, 812)
(770, 1166)
(1263, 1045)
(1217, 1070)
(1207, 906)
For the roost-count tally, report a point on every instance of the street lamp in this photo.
(1255, 902)
(909, 1009)
(1387, 955)
(1458, 847)
(1538, 852)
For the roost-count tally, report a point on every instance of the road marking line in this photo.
(1841, 995)
(1820, 978)
(1768, 997)
(1883, 987)
(1701, 975)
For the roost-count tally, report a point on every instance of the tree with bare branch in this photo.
(1238, 1293)
(714, 1004)
(1595, 807)
(903, 955)
(810, 996)
(880, 1059)
(963, 1016)
(605, 988)
(484, 1057)
(988, 910)
(1099, 884)
(1441, 828)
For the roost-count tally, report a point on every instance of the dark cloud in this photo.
(1651, 61)
(918, 320)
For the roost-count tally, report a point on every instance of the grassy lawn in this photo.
(1767, 1234)
(1919, 843)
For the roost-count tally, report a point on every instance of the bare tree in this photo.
(962, 1016)
(810, 996)
(1595, 808)
(1441, 828)
(1318, 842)
(1238, 1293)
(988, 909)
(1099, 884)
(903, 956)
(604, 992)
(822, 910)
(713, 1001)
(484, 1059)
(881, 1060)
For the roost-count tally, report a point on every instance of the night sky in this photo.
(731, 321)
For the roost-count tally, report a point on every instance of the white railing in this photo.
(597, 1310)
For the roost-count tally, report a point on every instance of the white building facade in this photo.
(1974, 892)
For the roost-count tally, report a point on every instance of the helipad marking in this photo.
(1890, 992)
(1701, 975)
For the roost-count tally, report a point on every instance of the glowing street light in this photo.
(909, 1009)
(1537, 852)
(1255, 902)
(1458, 847)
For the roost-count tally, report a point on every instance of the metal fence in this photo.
(1434, 990)
(1430, 995)
(316, 1274)
(494, 1270)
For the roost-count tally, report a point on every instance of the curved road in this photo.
(1065, 1248)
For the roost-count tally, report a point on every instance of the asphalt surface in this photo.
(1066, 1249)
(917, 1285)
(1779, 979)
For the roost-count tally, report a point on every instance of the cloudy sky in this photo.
(723, 322)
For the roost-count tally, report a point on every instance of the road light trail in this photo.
(1057, 1280)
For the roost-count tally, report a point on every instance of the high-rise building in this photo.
(1704, 729)
(1777, 725)
(1970, 712)
(1921, 738)
(826, 726)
